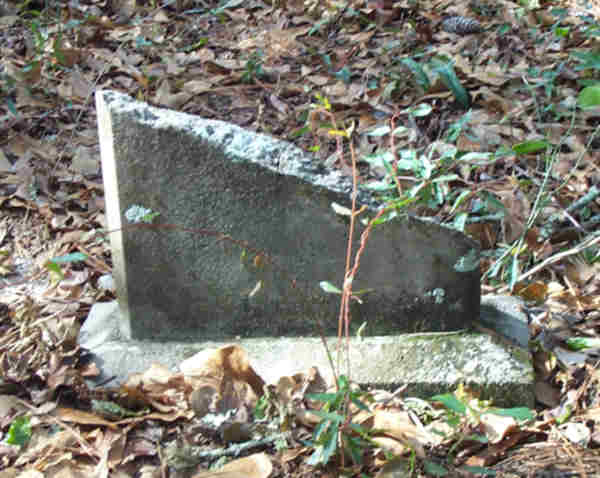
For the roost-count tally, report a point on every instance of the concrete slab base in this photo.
(427, 363)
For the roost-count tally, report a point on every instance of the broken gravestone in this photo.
(247, 230)
(245, 234)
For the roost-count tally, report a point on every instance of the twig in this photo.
(590, 196)
(589, 242)
(189, 456)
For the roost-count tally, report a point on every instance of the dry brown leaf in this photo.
(397, 467)
(69, 56)
(547, 394)
(31, 473)
(47, 449)
(160, 388)
(467, 143)
(254, 466)
(73, 415)
(497, 427)
(196, 87)
(161, 17)
(290, 454)
(76, 87)
(125, 8)
(534, 291)
(398, 424)
(580, 272)
(229, 362)
(517, 210)
(391, 445)
(28, 73)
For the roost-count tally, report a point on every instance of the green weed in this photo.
(335, 434)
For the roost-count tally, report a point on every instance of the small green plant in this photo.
(547, 78)
(253, 67)
(318, 25)
(589, 97)
(7, 89)
(335, 433)
(446, 71)
(591, 27)
(430, 177)
(463, 417)
(313, 120)
(261, 407)
(39, 35)
(588, 60)
(457, 414)
(456, 128)
(223, 5)
(53, 265)
(19, 432)
(419, 73)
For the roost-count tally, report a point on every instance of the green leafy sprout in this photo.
(335, 434)
(253, 67)
(458, 412)
(19, 432)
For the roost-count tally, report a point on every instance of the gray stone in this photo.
(505, 316)
(101, 325)
(427, 364)
(106, 282)
(247, 231)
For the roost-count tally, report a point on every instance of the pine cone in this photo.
(461, 25)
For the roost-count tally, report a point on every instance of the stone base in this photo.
(428, 363)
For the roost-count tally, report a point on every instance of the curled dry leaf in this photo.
(203, 400)
(397, 424)
(290, 394)
(497, 427)
(391, 445)
(72, 415)
(254, 466)
(229, 362)
(222, 379)
(160, 388)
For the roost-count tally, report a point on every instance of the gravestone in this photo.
(247, 229)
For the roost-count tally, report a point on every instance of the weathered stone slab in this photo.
(274, 201)
(504, 315)
(426, 364)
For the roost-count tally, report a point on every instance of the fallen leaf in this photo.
(253, 466)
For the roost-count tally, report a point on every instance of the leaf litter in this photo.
(265, 66)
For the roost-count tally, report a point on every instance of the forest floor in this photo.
(481, 115)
